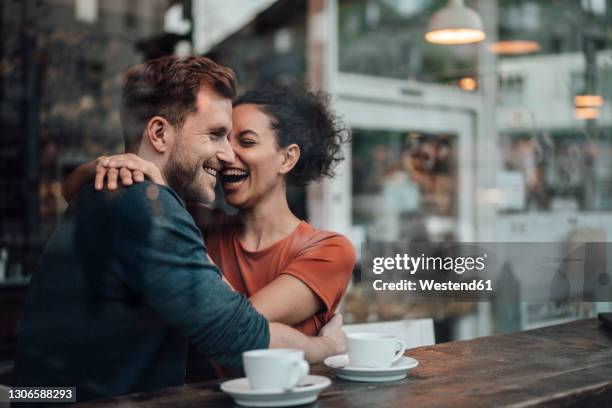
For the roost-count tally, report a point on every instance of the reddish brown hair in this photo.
(168, 87)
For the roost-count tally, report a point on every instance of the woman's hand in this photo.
(330, 341)
(334, 335)
(128, 167)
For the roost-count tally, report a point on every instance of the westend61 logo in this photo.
(430, 269)
(483, 271)
(414, 264)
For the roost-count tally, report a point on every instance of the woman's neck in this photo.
(267, 222)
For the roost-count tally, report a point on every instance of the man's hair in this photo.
(168, 87)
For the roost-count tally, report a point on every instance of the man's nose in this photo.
(226, 153)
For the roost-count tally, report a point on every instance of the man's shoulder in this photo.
(133, 204)
(146, 193)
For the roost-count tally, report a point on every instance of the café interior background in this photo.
(458, 143)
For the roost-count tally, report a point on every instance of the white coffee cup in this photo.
(274, 368)
(374, 349)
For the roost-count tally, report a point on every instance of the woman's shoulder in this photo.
(324, 258)
(313, 238)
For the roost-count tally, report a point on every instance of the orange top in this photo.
(322, 260)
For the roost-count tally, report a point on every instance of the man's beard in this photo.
(182, 177)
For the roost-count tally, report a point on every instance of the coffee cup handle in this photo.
(400, 352)
(299, 371)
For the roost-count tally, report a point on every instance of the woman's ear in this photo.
(291, 156)
(160, 134)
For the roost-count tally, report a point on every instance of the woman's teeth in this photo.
(234, 172)
(233, 176)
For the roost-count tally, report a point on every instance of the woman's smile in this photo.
(232, 178)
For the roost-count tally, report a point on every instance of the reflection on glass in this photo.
(539, 89)
(559, 171)
(386, 38)
(400, 179)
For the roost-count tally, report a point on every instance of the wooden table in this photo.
(566, 365)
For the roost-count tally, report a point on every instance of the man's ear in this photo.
(160, 134)
(290, 158)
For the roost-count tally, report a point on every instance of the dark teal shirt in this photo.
(123, 283)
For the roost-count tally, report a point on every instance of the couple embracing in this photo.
(140, 266)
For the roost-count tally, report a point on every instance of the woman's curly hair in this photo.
(304, 118)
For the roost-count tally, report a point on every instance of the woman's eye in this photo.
(247, 142)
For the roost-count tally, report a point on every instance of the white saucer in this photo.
(397, 371)
(305, 393)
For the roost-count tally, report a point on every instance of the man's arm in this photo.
(163, 258)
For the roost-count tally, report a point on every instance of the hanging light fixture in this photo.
(455, 24)
(514, 47)
(586, 113)
(588, 102)
(586, 105)
(468, 84)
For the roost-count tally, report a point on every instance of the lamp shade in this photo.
(455, 24)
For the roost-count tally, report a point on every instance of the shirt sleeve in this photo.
(325, 265)
(163, 258)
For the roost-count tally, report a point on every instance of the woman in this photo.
(292, 272)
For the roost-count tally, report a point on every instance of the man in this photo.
(125, 279)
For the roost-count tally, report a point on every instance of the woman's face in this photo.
(254, 174)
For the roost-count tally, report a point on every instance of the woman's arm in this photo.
(78, 178)
(312, 283)
(286, 300)
(128, 168)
